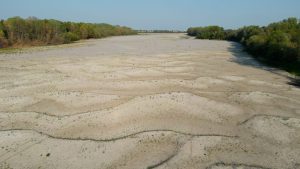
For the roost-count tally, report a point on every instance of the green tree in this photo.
(33, 31)
(256, 44)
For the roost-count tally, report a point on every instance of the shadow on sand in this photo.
(243, 58)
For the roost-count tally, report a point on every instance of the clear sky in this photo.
(156, 14)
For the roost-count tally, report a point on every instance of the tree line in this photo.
(277, 44)
(160, 31)
(17, 31)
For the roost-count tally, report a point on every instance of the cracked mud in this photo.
(147, 101)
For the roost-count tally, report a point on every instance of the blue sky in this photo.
(156, 14)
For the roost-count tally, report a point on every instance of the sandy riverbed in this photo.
(146, 101)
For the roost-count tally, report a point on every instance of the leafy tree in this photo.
(256, 44)
(280, 48)
(33, 31)
(245, 33)
(210, 32)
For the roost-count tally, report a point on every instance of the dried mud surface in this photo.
(147, 101)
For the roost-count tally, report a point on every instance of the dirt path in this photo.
(147, 101)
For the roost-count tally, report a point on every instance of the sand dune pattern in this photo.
(146, 101)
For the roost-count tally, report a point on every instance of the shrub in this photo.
(210, 32)
(70, 37)
(3, 40)
(256, 44)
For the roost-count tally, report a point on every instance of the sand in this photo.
(161, 101)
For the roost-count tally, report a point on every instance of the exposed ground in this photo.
(147, 101)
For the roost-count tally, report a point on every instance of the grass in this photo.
(10, 50)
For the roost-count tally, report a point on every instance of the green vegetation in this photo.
(17, 31)
(210, 32)
(160, 31)
(277, 44)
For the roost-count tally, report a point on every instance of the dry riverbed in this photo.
(146, 101)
